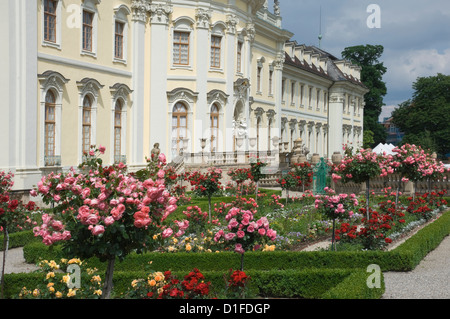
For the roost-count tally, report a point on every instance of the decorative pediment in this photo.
(217, 96)
(259, 111)
(120, 90)
(182, 94)
(52, 79)
(89, 85)
(293, 123)
(270, 114)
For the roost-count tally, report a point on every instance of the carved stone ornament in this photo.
(159, 13)
(89, 85)
(217, 96)
(251, 32)
(203, 18)
(232, 22)
(139, 10)
(182, 94)
(279, 61)
(240, 87)
(52, 79)
(336, 98)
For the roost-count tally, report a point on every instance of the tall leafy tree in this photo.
(425, 118)
(372, 71)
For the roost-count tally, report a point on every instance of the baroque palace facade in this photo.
(205, 79)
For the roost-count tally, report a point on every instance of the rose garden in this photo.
(103, 232)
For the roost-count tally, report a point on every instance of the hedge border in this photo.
(303, 284)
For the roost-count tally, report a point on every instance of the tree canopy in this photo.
(372, 71)
(425, 118)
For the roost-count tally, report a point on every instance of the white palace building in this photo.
(209, 80)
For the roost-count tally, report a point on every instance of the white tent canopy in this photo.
(384, 148)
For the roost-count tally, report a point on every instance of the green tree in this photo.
(372, 71)
(424, 118)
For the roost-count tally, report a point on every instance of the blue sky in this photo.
(415, 35)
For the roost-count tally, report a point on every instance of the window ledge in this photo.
(51, 44)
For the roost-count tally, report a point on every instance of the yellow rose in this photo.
(36, 292)
(188, 247)
(58, 294)
(50, 274)
(98, 292)
(96, 278)
(134, 283)
(72, 292)
(65, 279)
(74, 261)
(53, 265)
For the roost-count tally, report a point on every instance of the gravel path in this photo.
(15, 263)
(429, 280)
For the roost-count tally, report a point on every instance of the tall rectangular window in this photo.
(270, 82)
(118, 131)
(88, 18)
(258, 79)
(292, 92)
(239, 57)
(50, 20)
(87, 105)
(118, 40)
(302, 88)
(181, 48)
(50, 122)
(215, 51)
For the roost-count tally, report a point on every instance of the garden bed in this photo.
(280, 274)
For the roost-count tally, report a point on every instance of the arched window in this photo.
(118, 131)
(269, 135)
(179, 126)
(50, 123)
(214, 128)
(87, 108)
(258, 126)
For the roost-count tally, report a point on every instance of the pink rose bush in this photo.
(243, 232)
(105, 212)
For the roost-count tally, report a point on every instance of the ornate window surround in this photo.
(54, 81)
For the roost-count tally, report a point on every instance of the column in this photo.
(202, 51)
(335, 122)
(139, 19)
(18, 123)
(231, 52)
(159, 121)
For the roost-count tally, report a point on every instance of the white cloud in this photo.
(404, 68)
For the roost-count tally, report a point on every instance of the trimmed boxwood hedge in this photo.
(308, 283)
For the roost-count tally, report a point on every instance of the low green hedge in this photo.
(307, 283)
(19, 239)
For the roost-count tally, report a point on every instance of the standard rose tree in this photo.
(105, 213)
(244, 233)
